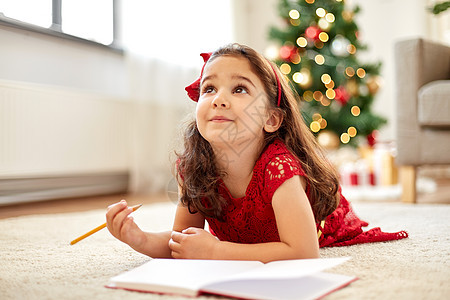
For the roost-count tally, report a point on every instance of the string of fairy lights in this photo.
(307, 46)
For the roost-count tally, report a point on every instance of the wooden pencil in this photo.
(97, 228)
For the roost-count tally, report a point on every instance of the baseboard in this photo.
(19, 190)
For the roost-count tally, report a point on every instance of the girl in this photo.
(252, 170)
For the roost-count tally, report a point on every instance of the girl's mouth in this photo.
(220, 119)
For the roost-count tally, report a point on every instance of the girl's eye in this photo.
(208, 89)
(240, 90)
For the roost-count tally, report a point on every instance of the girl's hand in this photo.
(122, 226)
(193, 243)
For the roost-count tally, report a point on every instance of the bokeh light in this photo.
(319, 59)
(302, 42)
(355, 110)
(294, 14)
(345, 138)
(285, 69)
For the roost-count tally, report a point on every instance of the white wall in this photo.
(39, 58)
(381, 24)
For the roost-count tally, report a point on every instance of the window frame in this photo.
(55, 28)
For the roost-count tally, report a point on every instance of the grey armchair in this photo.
(423, 108)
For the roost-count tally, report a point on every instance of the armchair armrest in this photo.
(417, 62)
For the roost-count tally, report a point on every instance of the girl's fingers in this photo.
(121, 202)
(190, 230)
(176, 236)
(174, 242)
(120, 217)
(175, 247)
(113, 209)
(116, 215)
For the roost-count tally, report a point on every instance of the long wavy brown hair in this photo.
(199, 177)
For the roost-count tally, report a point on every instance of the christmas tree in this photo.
(318, 52)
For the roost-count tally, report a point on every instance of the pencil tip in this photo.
(136, 207)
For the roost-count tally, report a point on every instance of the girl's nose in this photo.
(220, 101)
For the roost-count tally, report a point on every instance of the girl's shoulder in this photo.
(277, 153)
(278, 164)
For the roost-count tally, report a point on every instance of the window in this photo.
(86, 19)
(177, 30)
(36, 12)
(92, 20)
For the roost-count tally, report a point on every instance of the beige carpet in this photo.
(37, 261)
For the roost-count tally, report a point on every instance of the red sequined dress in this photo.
(251, 219)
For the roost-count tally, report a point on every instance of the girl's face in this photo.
(232, 108)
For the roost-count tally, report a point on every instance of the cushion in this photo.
(434, 104)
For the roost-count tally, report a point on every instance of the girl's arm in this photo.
(122, 226)
(296, 227)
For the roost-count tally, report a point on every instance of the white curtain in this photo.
(162, 41)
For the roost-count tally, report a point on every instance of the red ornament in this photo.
(286, 52)
(294, 54)
(372, 138)
(342, 96)
(313, 32)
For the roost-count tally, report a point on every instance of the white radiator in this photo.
(57, 143)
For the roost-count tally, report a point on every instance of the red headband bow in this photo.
(193, 90)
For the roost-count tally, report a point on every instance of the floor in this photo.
(75, 204)
(441, 196)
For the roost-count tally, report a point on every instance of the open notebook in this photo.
(286, 279)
